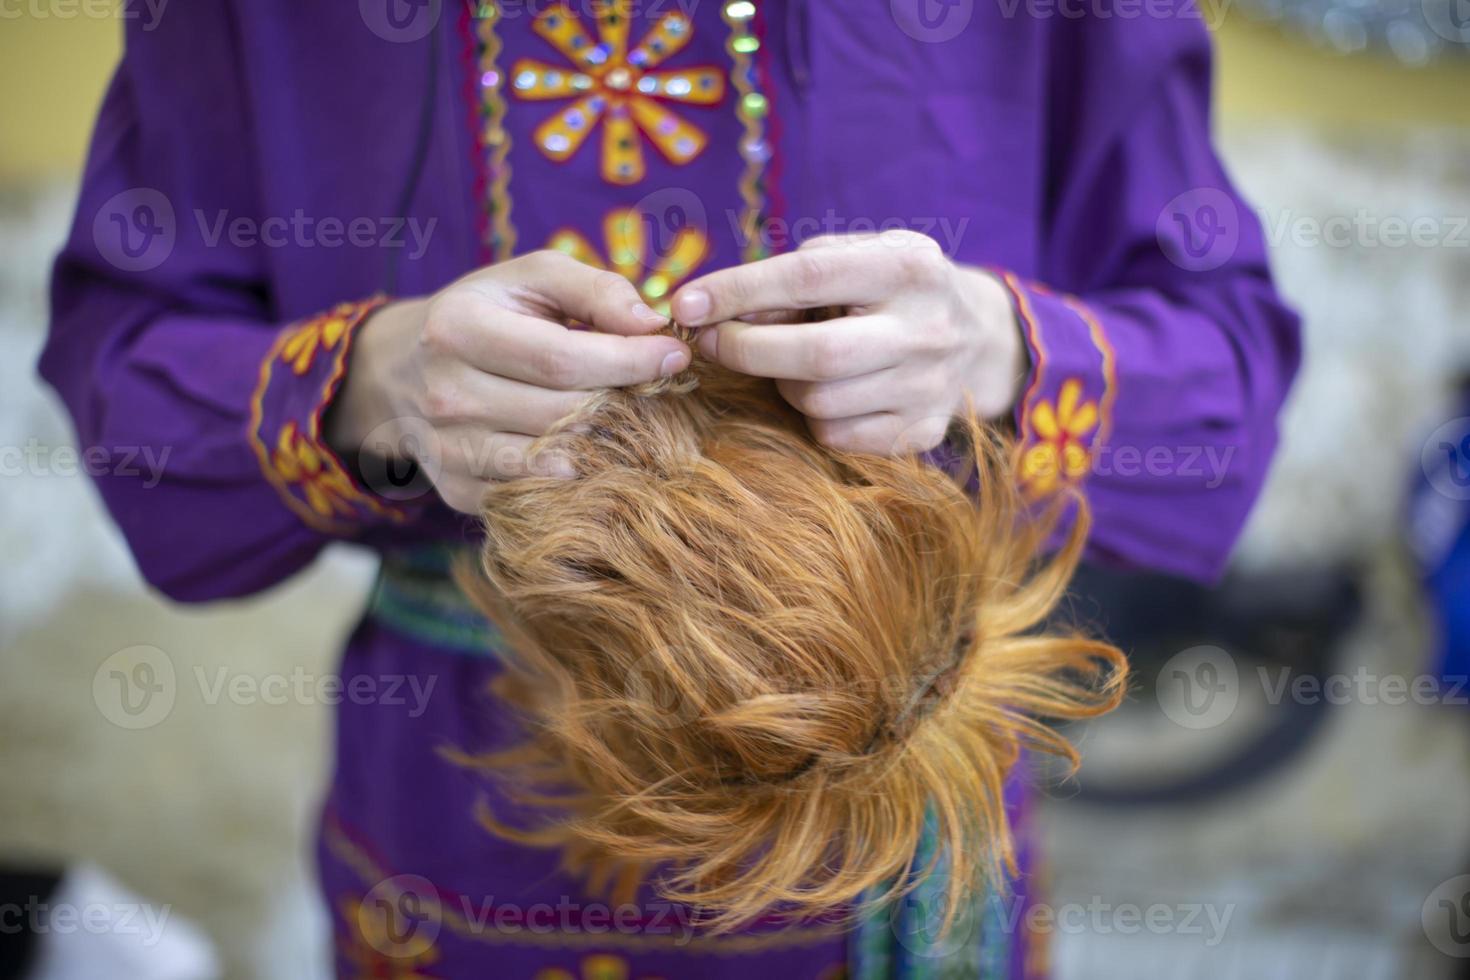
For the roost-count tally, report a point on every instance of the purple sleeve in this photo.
(165, 346)
(1160, 350)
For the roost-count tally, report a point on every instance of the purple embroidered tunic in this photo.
(260, 170)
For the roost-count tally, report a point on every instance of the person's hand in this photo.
(921, 337)
(472, 374)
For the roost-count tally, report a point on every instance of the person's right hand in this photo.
(472, 374)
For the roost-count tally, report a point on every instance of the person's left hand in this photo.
(920, 339)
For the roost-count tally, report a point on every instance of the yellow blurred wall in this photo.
(53, 71)
(1263, 73)
(52, 75)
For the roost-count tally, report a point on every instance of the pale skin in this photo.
(488, 364)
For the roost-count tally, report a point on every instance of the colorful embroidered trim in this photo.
(751, 108)
(493, 139)
(1059, 434)
(618, 88)
(298, 378)
(1109, 364)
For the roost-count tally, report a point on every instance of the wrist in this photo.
(1000, 361)
(364, 402)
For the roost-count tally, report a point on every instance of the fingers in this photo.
(880, 433)
(482, 332)
(557, 286)
(831, 349)
(500, 403)
(880, 391)
(853, 272)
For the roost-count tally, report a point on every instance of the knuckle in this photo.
(557, 367)
(922, 262)
(545, 260)
(808, 276)
(607, 284)
(441, 321)
(441, 403)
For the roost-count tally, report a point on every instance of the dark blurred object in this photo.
(1289, 620)
(1437, 532)
(22, 893)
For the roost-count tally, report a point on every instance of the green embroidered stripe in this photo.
(415, 595)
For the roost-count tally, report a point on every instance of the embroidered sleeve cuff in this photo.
(298, 378)
(1066, 413)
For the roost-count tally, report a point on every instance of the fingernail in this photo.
(673, 364)
(694, 306)
(649, 315)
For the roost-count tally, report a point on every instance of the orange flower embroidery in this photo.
(601, 966)
(625, 234)
(317, 334)
(1060, 453)
(617, 87)
(326, 487)
(379, 950)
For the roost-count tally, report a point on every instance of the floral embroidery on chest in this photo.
(620, 88)
(659, 104)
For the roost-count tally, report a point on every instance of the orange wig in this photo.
(749, 665)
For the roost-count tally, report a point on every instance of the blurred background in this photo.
(1286, 794)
